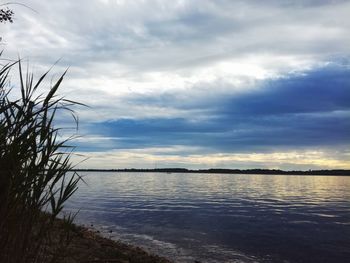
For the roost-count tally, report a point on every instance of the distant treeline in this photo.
(224, 171)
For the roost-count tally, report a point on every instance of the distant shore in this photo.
(337, 172)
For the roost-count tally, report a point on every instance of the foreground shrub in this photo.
(35, 181)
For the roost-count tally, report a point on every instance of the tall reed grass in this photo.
(35, 177)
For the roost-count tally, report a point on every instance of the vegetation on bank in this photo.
(34, 166)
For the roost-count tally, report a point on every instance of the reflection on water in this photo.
(222, 218)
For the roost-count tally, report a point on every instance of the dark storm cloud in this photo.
(301, 110)
(323, 90)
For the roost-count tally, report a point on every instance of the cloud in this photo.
(222, 76)
(178, 35)
(304, 110)
(321, 90)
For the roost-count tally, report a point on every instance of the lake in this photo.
(221, 217)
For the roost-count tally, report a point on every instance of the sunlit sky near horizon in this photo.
(197, 83)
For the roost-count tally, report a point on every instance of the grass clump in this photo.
(35, 177)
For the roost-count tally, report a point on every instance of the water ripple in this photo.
(222, 218)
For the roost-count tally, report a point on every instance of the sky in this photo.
(196, 83)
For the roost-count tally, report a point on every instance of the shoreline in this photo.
(90, 246)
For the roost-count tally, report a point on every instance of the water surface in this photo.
(220, 217)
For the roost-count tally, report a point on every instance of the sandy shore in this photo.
(88, 246)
